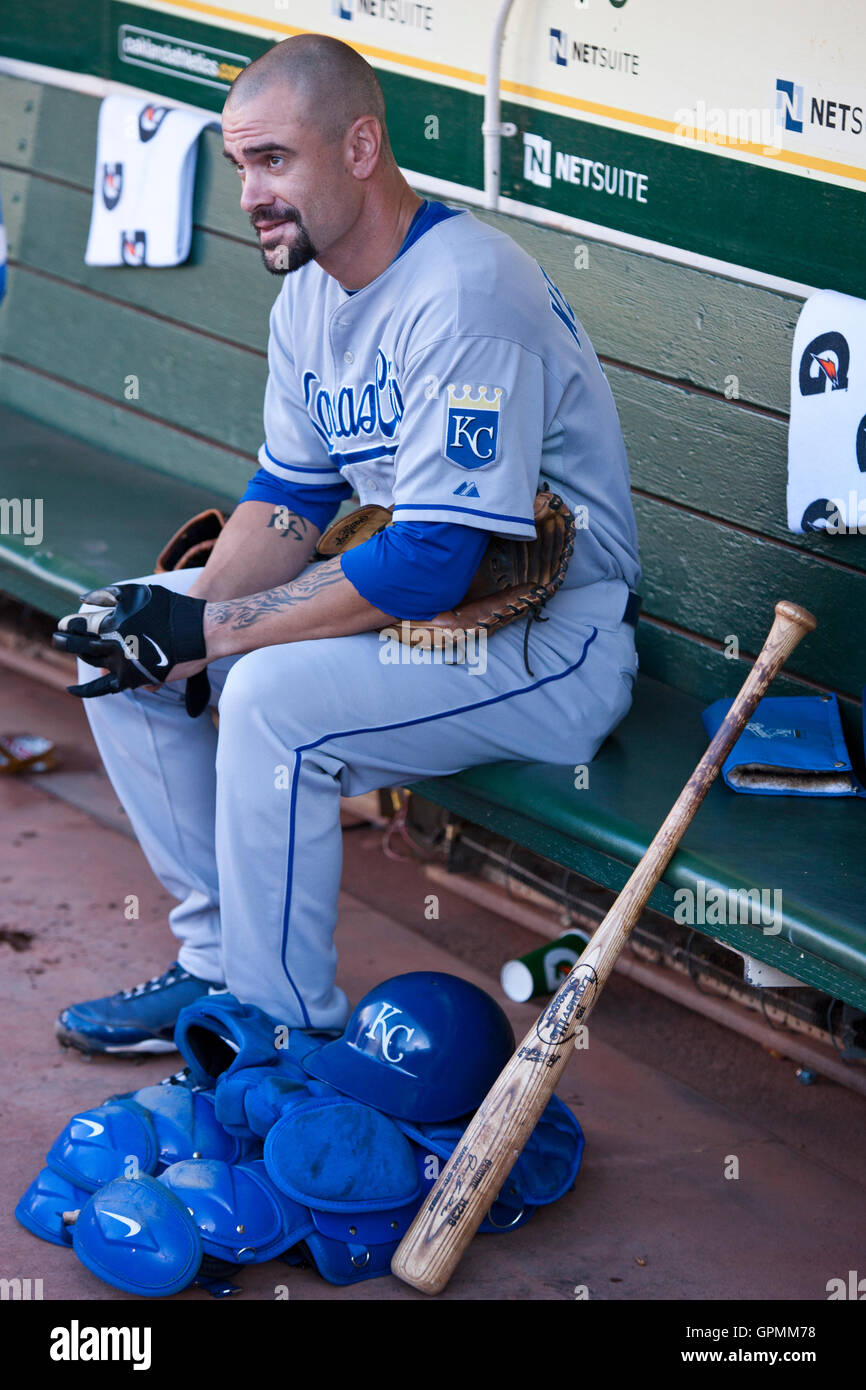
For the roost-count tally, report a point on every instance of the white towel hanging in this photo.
(827, 435)
(143, 188)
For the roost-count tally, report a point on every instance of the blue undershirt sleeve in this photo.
(318, 504)
(416, 569)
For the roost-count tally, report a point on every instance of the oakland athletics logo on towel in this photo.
(112, 184)
(133, 248)
(824, 365)
(472, 425)
(150, 118)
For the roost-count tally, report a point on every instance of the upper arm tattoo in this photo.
(289, 523)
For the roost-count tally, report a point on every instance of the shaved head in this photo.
(304, 128)
(331, 83)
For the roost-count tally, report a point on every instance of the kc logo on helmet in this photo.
(824, 365)
(112, 184)
(133, 248)
(472, 426)
(150, 118)
(380, 1032)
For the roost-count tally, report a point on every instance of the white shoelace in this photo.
(154, 983)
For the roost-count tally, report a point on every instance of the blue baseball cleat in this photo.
(135, 1020)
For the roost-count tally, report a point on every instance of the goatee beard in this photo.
(284, 259)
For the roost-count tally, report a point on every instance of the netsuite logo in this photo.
(537, 155)
(559, 47)
(789, 104)
(795, 111)
(541, 167)
(595, 55)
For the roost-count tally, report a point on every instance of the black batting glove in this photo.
(139, 632)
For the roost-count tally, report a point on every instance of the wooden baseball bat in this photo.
(495, 1137)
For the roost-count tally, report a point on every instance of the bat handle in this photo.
(794, 619)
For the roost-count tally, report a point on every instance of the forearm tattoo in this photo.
(239, 613)
(288, 523)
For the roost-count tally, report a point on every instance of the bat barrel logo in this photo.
(560, 1019)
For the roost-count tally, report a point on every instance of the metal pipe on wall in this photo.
(492, 128)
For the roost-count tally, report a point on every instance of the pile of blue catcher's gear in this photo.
(278, 1142)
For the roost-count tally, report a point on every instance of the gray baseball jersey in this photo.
(450, 387)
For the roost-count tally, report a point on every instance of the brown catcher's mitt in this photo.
(193, 543)
(514, 580)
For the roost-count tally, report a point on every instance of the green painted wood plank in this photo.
(184, 378)
(717, 457)
(93, 518)
(222, 289)
(117, 428)
(16, 185)
(55, 109)
(20, 106)
(39, 592)
(714, 580)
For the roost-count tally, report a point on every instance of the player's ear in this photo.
(364, 146)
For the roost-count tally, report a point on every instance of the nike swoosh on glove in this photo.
(139, 632)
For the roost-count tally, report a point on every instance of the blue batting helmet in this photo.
(423, 1046)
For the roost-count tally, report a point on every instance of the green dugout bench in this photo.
(131, 398)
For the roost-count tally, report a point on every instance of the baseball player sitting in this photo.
(421, 359)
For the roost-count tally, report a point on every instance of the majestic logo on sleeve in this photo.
(112, 184)
(824, 365)
(472, 426)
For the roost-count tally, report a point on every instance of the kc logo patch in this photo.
(112, 184)
(133, 248)
(472, 425)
